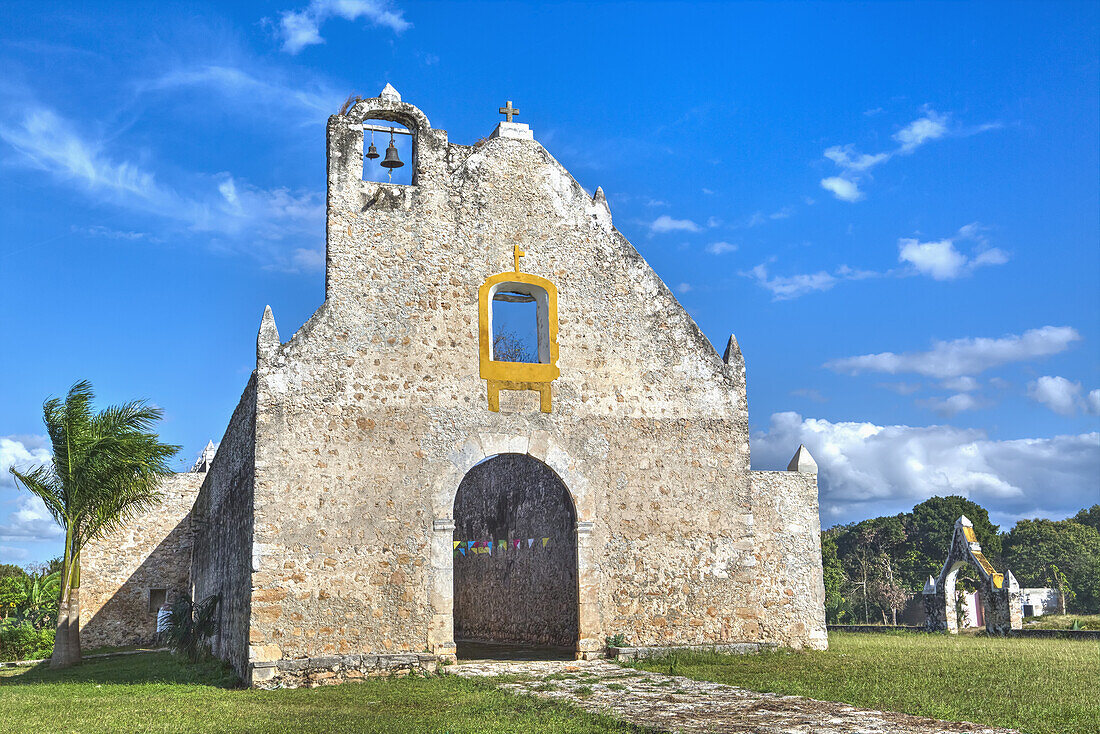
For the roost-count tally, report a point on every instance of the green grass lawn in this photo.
(1063, 621)
(1041, 686)
(156, 692)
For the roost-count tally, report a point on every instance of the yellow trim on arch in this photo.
(517, 375)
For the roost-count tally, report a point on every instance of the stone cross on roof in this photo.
(508, 111)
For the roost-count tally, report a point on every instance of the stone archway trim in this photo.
(465, 455)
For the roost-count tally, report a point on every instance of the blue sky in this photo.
(895, 207)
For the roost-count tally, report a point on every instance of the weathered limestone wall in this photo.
(221, 561)
(118, 570)
(371, 415)
(788, 603)
(525, 594)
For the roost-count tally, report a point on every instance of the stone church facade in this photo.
(337, 520)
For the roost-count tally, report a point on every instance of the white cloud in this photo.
(901, 388)
(938, 259)
(301, 28)
(968, 356)
(784, 288)
(684, 288)
(1063, 396)
(867, 469)
(951, 405)
(707, 191)
(720, 248)
(942, 261)
(714, 222)
(30, 520)
(961, 384)
(665, 223)
(846, 157)
(656, 202)
(842, 188)
(920, 131)
(1092, 402)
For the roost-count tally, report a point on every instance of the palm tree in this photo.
(106, 467)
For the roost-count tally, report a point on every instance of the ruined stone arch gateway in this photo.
(326, 519)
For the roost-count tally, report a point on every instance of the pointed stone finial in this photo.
(390, 93)
(599, 198)
(1010, 582)
(267, 341)
(802, 462)
(930, 585)
(733, 351)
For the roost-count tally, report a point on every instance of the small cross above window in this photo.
(508, 111)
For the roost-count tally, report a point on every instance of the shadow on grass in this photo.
(144, 668)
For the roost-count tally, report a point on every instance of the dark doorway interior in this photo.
(522, 592)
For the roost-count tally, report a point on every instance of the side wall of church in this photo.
(120, 570)
(789, 599)
(221, 561)
(371, 415)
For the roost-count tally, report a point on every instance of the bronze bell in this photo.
(391, 160)
(372, 152)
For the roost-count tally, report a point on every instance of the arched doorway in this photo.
(515, 558)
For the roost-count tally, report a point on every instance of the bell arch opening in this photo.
(389, 152)
(515, 557)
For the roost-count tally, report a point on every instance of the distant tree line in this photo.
(874, 567)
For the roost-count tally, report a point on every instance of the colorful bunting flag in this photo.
(530, 542)
(515, 545)
(545, 541)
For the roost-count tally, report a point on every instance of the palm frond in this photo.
(42, 482)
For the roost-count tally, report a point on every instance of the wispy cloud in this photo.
(310, 101)
(721, 248)
(665, 223)
(855, 166)
(231, 212)
(939, 260)
(784, 288)
(967, 356)
(951, 405)
(301, 28)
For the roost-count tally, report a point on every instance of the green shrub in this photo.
(21, 641)
(191, 624)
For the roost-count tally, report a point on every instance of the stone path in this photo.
(678, 704)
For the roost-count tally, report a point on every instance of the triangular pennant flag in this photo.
(500, 544)
(545, 541)
(488, 547)
(463, 551)
(515, 545)
(530, 542)
(457, 543)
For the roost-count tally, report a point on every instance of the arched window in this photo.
(518, 335)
